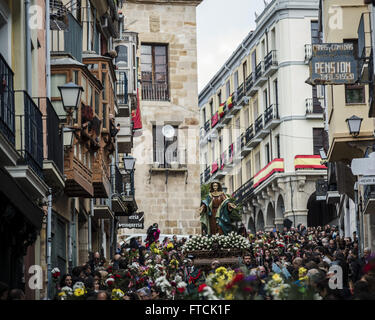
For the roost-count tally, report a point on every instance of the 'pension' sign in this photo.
(333, 63)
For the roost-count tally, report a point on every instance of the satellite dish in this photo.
(168, 131)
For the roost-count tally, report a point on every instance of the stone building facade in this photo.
(167, 189)
(262, 126)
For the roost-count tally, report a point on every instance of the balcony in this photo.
(241, 98)
(118, 206)
(125, 135)
(230, 162)
(78, 181)
(271, 117)
(364, 46)
(369, 199)
(308, 53)
(276, 165)
(29, 144)
(260, 77)
(128, 196)
(245, 150)
(8, 154)
(244, 192)
(155, 91)
(53, 163)
(102, 209)
(68, 41)
(247, 139)
(270, 64)
(314, 108)
(207, 174)
(122, 96)
(100, 179)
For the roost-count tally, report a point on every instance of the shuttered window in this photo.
(318, 139)
(165, 149)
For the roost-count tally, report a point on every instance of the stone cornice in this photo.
(170, 2)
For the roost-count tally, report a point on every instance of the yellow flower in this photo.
(62, 294)
(170, 245)
(276, 277)
(229, 296)
(221, 270)
(302, 271)
(79, 292)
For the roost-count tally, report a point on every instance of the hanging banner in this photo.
(333, 63)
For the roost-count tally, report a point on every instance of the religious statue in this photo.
(216, 212)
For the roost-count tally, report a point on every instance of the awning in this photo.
(17, 197)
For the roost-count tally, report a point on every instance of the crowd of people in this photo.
(295, 263)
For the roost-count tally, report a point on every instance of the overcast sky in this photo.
(221, 26)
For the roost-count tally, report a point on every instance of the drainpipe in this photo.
(48, 50)
(357, 215)
(88, 12)
(113, 238)
(89, 224)
(49, 244)
(28, 69)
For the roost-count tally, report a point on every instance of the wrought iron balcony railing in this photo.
(207, 126)
(155, 91)
(7, 121)
(207, 174)
(259, 124)
(240, 92)
(119, 182)
(55, 148)
(30, 133)
(270, 60)
(314, 105)
(249, 81)
(271, 113)
(308, 52)
(259, 70)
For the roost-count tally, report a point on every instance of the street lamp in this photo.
(354, 125)
(129, 163)
(68, 137)
(322, 153)
(71, 96)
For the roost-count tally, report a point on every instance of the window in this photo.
(165, 149)
(255, 107)
(277, 139)
(230, 138)
(354, 93)
(213, 151)
(154, 66)
(104, 115)
(236, 80)
(122, 55)
(267, 149)
(212, 108)
(219, 97)
(97, 103)
(265, 99)
(257, 162)
(244, 71)
(239, 177)
(104, 82)
(318, 139)
(231, 184)
(246, 118)
(204, 116)
(248, 170)
(276, 92)
(228, 88)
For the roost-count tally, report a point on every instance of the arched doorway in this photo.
(251, 225)
(280, 210)
(319, 213)
(270, 218)
(260, 221)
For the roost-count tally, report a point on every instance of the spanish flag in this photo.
(137, 119)
(230, 102)
(221, 110)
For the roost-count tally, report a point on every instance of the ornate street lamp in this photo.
(323, 155)
(71, 96)
(68, 137)
(129, 163)
(354, 125)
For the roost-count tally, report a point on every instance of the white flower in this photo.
(55, 270)
(67, 290)
(78, 285)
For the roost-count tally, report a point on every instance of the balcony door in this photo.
(5, 33)
(154, 66)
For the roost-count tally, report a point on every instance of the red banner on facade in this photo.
(136, 116)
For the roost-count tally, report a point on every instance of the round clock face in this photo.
(168, 131)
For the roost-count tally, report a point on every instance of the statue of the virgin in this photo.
(216, 210)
